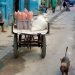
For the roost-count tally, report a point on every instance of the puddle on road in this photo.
(2, 47)
(73, 47)
(72, 71)
(13, 66)
(59, 28)
(73, 29)
(1, 64)
(30, 55)
(10, 36)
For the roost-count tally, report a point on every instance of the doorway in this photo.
(16, 5)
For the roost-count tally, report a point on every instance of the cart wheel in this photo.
(20, 36)
(48, 28)
(15, 46)
(43, 52)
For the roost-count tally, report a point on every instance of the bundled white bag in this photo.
(39, 24)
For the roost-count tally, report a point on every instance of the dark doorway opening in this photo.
(16, 5)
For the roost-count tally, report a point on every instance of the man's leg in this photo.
(53, 10)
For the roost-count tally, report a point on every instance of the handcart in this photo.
(28, 38)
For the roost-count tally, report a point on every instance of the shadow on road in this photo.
(13, 66)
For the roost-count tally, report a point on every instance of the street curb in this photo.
(4, 59)
(52, 19)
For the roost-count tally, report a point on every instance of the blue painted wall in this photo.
(3, 5)
(33, 5)
(9, 11)
(21, 5)
(6, 7)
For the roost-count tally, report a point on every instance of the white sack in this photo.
(39, 24)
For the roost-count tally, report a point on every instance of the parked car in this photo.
(71, 2)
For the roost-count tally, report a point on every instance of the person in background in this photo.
(60, 3)
(66, 5)
(53, 5)
(43, 7)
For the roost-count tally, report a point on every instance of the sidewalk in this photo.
(6, 41)
(53, 16)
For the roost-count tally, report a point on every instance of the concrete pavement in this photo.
(6, 41)
(62, 35)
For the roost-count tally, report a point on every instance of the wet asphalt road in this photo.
(62, 34)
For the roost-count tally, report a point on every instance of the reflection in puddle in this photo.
(2, 47)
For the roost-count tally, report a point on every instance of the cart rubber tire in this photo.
(15, 46)
(43, 52)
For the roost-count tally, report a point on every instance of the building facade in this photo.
(8, 7)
